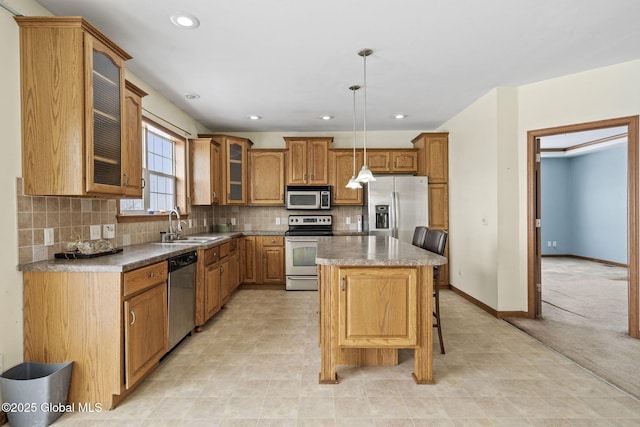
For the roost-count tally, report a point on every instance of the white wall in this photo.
(488, 172)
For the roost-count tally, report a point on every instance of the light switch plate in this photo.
(48, 237)
(109, 231)
(94, 232)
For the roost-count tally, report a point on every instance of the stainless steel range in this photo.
(301, 243)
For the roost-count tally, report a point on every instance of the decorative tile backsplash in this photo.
(71, 219)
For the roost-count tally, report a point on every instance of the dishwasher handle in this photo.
(181, 261)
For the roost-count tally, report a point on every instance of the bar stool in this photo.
(435, 241)
(419, 233)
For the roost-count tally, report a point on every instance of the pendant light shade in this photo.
(365, 174)
(352, 182)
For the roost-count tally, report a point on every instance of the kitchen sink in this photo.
(191, 240)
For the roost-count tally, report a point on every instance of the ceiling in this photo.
(584, 142)
(291, 61)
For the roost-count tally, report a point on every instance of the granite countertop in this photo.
(135, 256)
(373, 251)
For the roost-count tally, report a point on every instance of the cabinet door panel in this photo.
(212, 290)
(379, 161)
(438, 206)
(297, 162)
(377, 307)
(266, 178)
(341, 172)
(405, 161)
(146, 338)
(250, 260)
(318, 162)
(273, 264)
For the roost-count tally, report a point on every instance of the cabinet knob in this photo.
(133, 317)
(152, 274)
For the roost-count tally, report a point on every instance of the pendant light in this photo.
(365, 174)
(352, 182)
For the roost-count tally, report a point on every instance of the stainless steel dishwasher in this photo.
(182, 296)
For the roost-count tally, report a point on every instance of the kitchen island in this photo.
(375, 297)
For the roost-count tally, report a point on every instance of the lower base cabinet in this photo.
(218, 277)
(112, 325)
(264, 260)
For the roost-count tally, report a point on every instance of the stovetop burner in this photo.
(310, 225)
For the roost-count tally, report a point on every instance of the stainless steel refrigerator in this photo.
(396, 205)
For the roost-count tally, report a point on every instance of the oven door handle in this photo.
(301, 240)
(303, 277)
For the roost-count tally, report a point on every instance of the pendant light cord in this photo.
(364, 116)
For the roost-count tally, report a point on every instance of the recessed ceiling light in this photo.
(400, 116)
(185, 20)
(326, 117)
(191, 95)
(254, 117)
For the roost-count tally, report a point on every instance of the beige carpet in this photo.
(585, 318)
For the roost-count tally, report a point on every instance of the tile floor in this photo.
(257, 362)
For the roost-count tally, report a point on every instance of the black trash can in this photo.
(35, 394)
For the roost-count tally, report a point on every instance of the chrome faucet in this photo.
(174, 233)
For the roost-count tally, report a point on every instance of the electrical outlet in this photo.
(109, 231)
(190, 223)
(555, 244)
(94, 232)
(48, 237)
(347, 220)
(205, 222)
(278, 221)
(548, 243)
(233, 221)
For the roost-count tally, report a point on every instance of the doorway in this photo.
(534, 256)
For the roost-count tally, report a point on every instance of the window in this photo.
(161, 172)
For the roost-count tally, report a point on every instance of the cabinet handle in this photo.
(133, 315)
(343, 283)
(126, 179)
(144, 183)
(273, 240)
(214, 194)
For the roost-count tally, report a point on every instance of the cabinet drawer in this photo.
(145, 277)
(272, 240)
(225, 248)
(211, 255)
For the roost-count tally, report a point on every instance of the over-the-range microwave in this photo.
(308, 197)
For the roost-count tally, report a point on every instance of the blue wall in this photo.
(584, 205)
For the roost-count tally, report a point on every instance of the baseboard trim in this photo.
(485, 307)
(601, 261)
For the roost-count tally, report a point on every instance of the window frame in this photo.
(180, 174)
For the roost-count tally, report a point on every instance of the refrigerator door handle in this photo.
(394, 215)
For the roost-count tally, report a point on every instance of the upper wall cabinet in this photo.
(132, 146)
(73, 102)
(433, 158)
(392, 161)
(233, 168)
(307, 162)
(266, 177)
(204, 156)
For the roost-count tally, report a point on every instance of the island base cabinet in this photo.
(368, 313)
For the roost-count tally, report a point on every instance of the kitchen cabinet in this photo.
(377, 307)
(132, 124)
(341, 171)
(218, 277)
(433, 156)
(266, 177)
(87, 317)
(272, 252)
(205, 171)
(264, 260)
(307, 162)
(74, 137)
(392, 161)
(250, 259)
(145, 310)
(433, 161)
(233, 167)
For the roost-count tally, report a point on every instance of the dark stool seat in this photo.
(419, 233)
